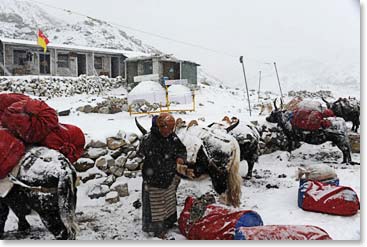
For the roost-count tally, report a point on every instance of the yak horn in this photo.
(141, 128)
(327, 103)
(232, 126)
(275, 104)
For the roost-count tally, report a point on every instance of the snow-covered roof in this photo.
(161, 57)
(79, 48)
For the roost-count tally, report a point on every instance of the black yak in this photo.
(46, 184)
(337, 133)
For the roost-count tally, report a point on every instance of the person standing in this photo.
(164, 156)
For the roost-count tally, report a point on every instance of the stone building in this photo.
(159, 66)
(24, 57)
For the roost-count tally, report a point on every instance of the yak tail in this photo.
(233, 193)
(67, 201)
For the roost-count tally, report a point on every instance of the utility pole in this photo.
(280, 88)
(244, 75)
(258, 91)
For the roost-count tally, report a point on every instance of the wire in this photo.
(229, 54)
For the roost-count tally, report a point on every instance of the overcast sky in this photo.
(262, 31)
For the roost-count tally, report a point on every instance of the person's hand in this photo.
(190, 173)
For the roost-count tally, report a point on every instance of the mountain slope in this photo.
(21, 20)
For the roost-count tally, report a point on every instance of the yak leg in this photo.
(4, 211)
(250, 164)
(53, 222)
(16, 201)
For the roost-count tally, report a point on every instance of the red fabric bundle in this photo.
(282, 232)
(30, 119)
(330, 199)
(7, 99)
(68, 140)
(218, 223)
(11, 151)
(307, 119)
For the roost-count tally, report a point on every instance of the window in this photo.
(20, 57)
(98, 63)
(63, 60)
(148, 67)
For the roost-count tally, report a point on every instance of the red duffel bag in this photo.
(214, 222)
(7, 99)
(68, 140)
(30, 119)
(11, 151)
(282, 232)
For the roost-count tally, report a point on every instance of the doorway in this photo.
(115, 64)
(44, 64)
(82, 65)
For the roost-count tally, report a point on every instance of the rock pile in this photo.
(106, 161)
(307, 94)
(110, 106)
(60, 86)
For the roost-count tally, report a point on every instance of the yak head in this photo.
(276, 116)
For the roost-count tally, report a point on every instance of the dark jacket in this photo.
(160, 154)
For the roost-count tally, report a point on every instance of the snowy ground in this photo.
(98, 220)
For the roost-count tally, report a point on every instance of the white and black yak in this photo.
(337, 133)
(45, 183)
(212, 152)
(348, 109)
(247, 137)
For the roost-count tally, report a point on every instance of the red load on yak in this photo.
(11, 151)
(7, 99)
(30, 119)
(201, 220)
(68, 140)
(307, 119)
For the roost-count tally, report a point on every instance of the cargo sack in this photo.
(11, 151)
(214, 222)
(320, 197)
(7, 99)
(282, 232)
(307, 119)
(30, 119)
(68, 140)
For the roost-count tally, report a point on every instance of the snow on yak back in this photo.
(223, 153)
(45, 183)
(247, 137)
(213, 152)
(348, 109)
(336, 133)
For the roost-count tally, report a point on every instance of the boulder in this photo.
(112, 197)
(109, 180)
(114, 143)
(121, 188)
(95, 153)
(96, 144)
(83, 164)
(354, 139)
(105, 162)
(98, 191)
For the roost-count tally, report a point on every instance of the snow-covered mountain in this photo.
(22, 19)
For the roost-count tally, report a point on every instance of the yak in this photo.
(247, 137)
(348, 109)
(337, 133)
(45, 183)
(214, 153)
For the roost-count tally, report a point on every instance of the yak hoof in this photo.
(248, 177)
